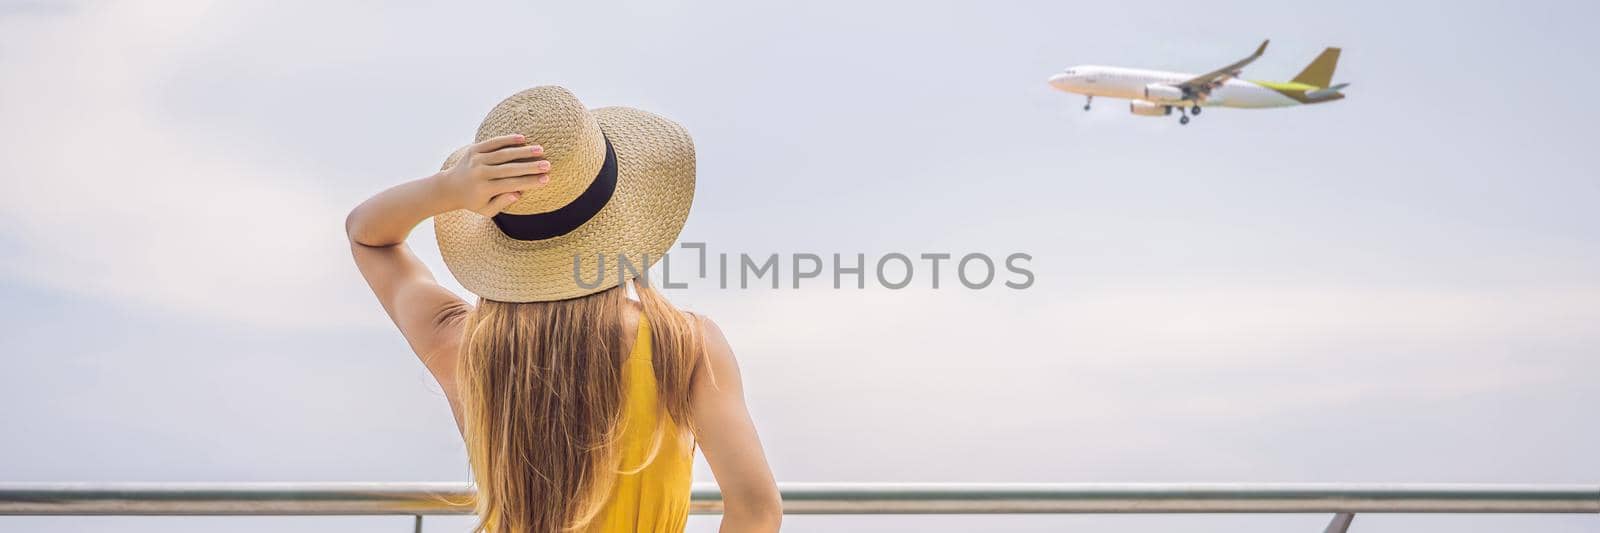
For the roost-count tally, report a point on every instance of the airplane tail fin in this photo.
(1320, 72)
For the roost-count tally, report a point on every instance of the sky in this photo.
(1401, 286)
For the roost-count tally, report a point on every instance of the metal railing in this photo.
(419, 499)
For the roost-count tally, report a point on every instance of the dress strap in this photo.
(641, 340)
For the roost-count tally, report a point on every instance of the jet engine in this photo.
(1161, 92)
(1149, 109)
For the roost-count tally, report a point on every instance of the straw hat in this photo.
(621, 181)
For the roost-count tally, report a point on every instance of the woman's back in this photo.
(652, 492)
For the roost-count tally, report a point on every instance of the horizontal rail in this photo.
(807, 498)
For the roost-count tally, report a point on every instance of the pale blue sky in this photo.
(1401, 286)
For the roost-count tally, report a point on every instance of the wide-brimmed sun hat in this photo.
(621, 181)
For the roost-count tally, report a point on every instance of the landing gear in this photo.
(1194, 110)
(1086, 103)
(1183, 119)
(1183, 115)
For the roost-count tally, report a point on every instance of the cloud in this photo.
(1128, 369)
(103, 194)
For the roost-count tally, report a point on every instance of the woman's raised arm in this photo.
(486, 178)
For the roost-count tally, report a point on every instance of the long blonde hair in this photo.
(541, 389)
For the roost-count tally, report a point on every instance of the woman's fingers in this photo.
(511, 170)
(490, 145)
(499, 202)
(521, 183)
(512, 153)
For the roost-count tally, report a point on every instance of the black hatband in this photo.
(540, 226)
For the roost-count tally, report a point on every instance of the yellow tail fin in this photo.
(1320, 72)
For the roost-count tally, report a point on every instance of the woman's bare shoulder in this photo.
(718, 352)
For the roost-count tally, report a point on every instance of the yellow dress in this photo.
(654, 499)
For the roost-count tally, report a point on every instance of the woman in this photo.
(580, 408)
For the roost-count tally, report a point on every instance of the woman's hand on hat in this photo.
(493, 174)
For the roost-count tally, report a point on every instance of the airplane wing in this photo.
(1204, 83)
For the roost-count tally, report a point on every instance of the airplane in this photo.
(1156, 93)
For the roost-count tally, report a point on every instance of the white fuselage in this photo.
(1130, 83)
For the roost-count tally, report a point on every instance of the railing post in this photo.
(1340, 523)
